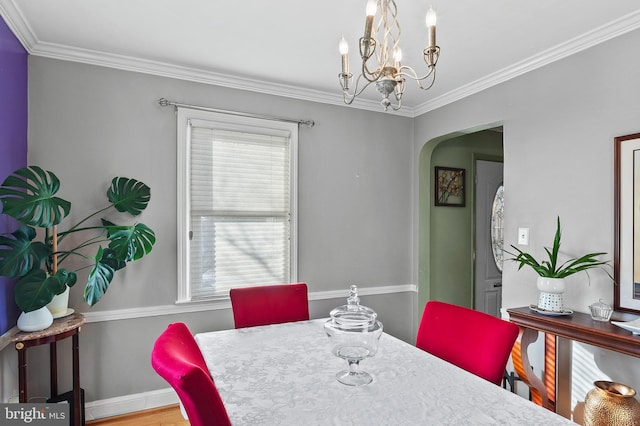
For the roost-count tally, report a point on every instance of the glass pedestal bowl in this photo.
(354, 333)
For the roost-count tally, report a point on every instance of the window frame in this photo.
(186, 116)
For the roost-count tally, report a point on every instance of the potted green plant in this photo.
(551, 272)
(36, 253)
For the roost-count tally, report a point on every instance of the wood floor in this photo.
(162, 416)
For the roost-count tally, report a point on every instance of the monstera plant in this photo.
(38, 251)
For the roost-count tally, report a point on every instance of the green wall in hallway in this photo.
(451, 243)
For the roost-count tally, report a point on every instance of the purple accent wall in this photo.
(13, 142)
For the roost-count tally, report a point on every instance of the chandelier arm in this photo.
(433, 80)
(348, 97)
(411, 73)
(396, 108)
(398, 105)
(432, 73)
(370, 76)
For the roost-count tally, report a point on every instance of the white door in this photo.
(488, 278)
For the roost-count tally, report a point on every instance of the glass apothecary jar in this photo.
(354, 333)
(600, 311)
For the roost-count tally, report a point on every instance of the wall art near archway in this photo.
(449, 186)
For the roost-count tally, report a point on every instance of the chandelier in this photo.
(381, 42)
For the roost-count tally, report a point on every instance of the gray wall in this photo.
(559, 125)
(362, 195)
(88, 124)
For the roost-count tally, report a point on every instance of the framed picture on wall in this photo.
(627, 223)
(449, 186)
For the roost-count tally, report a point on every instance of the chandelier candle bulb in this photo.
(397, 57)
(371, 12)
(431, 28)
(368, 26)
(343, 46)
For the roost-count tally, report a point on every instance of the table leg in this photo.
(22, 372)
(550, 362)
(53, 368)
(77, 392)
(523, 367)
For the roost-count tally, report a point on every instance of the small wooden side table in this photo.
(60, 329)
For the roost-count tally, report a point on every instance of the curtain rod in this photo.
(165, 102)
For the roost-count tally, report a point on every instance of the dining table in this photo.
(285, 374)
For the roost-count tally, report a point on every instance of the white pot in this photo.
(60, 304)
(551, 291)
(37, 320)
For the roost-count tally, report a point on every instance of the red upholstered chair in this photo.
(176, 357)
(472, 340)
(269, 304)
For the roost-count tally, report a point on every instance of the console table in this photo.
(60, 329)
(579, 327)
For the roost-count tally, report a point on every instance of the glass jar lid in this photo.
(600, 305)
(353, 316)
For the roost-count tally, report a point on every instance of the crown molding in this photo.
(585, 41)
(16, 22)
(163, 69)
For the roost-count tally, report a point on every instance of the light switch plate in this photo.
(523, 236)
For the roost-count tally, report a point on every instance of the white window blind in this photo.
(239, 185)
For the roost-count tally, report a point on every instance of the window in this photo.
(236, 203)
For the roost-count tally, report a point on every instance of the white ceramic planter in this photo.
(551, 292)
(35, 320)
(59, 305)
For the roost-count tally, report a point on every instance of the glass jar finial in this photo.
(353, 301)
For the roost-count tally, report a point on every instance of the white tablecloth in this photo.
(285, 375)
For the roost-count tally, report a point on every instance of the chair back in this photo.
(269, 304)
(176, 357)
(472, 340)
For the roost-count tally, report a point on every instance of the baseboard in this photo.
(129, 403)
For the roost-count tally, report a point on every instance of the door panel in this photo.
(488, 279)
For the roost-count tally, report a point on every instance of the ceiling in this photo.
(289, 47)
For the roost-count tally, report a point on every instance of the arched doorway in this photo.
(446, 234)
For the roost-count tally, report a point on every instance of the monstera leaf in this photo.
(28, 196)
(130, 242)
(129, 195)
(34, 290)
(19, 254)
(63, 279)
(101, 275)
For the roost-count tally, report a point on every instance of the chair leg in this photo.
(511, 378)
